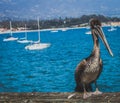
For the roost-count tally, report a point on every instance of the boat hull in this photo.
(10, 39)
(38, 46)
(24, 41)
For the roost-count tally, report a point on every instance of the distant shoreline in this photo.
(50, 29)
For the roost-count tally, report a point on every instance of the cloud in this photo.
(33, 10)
(2, 15)
(37, 6)
(10, 2)
(6, 0)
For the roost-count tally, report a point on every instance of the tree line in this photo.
(57, 23)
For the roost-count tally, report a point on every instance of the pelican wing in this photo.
(79, 70)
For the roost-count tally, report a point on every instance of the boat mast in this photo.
(25, 32)
(38, 31)
(10, 28)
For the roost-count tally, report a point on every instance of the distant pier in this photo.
(57, 98)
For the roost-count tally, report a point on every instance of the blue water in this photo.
(52, 69)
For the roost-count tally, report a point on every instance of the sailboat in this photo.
(64, 29)
(10, 38)
(37, 45)
(54, 30)
(24, 40)
(88, 32)
(112, 29)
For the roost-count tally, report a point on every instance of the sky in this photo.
(47, 9)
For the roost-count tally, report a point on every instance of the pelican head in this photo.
(96, 29)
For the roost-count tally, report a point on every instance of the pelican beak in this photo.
(103, 38)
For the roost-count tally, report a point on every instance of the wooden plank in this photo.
(57, 98)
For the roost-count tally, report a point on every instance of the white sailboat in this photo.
(24, 40)
(64, 29)
(37, 45)
(54, 31)
(88, 32)
(10, 38)
(112, 29)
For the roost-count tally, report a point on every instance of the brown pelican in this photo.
(89, 69)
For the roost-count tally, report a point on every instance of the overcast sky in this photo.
(58, 8)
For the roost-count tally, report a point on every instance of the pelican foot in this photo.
(70, 96)
(86, 95)
(97, 92)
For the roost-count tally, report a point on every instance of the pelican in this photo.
(89, 69)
